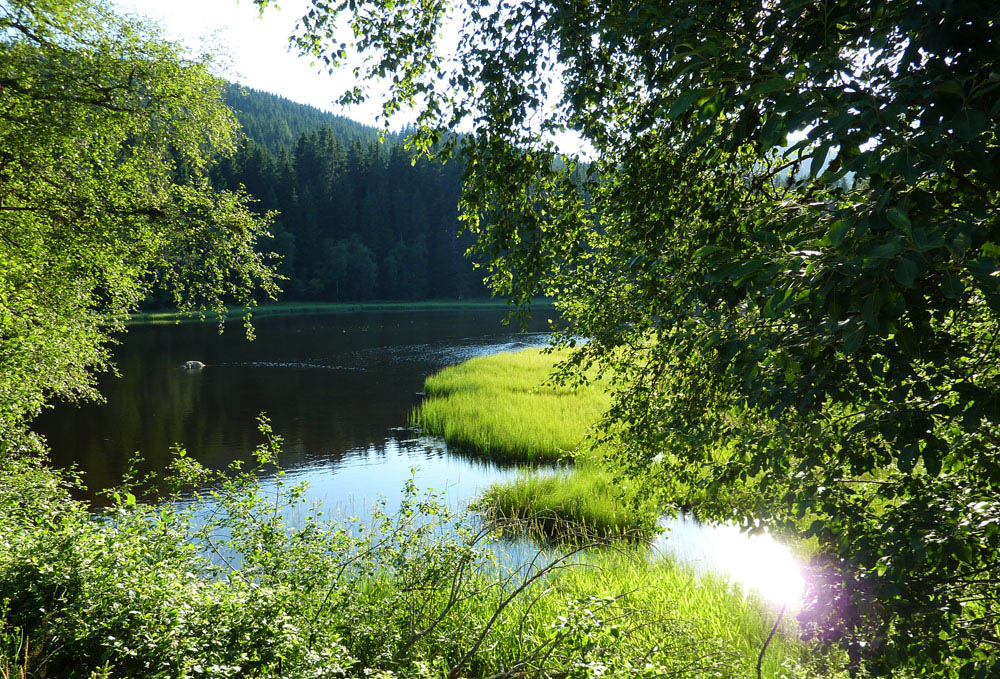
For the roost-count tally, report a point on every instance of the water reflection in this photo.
(756, 563)
(348, 486)
(332, 385)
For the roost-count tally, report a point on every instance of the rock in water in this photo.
(192, 365)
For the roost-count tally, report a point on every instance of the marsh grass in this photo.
(501, 406)
(413, 595)
(709, 606)
(583, 501)
(505, 407)
(689, 624)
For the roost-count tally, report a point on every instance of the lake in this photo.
(339, 389)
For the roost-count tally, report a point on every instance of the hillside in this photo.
(276, 123)
(357, 220)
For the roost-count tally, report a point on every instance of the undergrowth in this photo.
(221, 585)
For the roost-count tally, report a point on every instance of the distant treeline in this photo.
(277, 123)
(357, 220)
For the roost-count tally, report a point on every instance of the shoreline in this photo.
(323, 308)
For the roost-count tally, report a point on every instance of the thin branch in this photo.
(760, 658)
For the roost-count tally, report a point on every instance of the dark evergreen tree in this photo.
(356, 219)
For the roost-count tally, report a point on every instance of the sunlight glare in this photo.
(754, 562)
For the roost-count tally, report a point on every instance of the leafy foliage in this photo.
(106, 137)
(787, 248)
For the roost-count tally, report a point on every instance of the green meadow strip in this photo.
(304, 308)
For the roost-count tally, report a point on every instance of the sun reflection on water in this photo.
(754, 562)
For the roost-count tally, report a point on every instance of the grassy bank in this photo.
(710, 609)
(499, 406)
(698, 623)
(293, 308)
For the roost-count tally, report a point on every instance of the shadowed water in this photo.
(339, 389)
(336, 387)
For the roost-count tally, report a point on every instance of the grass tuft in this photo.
(584, 501)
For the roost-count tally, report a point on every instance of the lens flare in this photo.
(754, 562)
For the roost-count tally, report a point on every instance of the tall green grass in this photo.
(583, 501)
(664, 619)
(500, 406)
(413, 595)
(647, 620)
(504, 407)
(671, 596)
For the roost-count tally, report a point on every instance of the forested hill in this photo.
(277, 123)
(356, 219)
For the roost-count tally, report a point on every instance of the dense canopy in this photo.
(786, 249)
(357, 219)
(107, 134)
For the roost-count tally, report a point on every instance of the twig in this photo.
(760, 658)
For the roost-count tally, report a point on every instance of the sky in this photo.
(254, 48)
(254, 51)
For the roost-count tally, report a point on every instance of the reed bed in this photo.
(585, 500)
(671, 596)
(654, 618)
(505, 407)
(501, 406)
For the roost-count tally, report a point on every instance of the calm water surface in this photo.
(339, 389)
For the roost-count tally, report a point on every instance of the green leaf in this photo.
(771, 85)
(952, 286)
(932, 456)
(818, 159)
(905, 338)
(854, 337)
(888, 250)
(682, 104)
(970, 123)
(708, 250)
(906, 272)
(838, 231)
(907, 459)
(899, 219)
